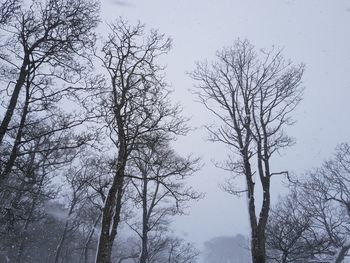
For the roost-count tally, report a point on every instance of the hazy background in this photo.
(315, 32)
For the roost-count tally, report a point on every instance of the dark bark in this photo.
(41, 43)
(110, 217)
(14, 98)
(113, 203)
(257, 232)
(342, 253)
(258, 247)
(144, 245)
(137, 106)
(257, 97)
(10, 163)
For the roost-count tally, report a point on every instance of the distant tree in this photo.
(312, 223)
(326, 196)
(158, 177)
(252, 95)
(76, 188)
(291, 233)
(179, 251)
(32, 184)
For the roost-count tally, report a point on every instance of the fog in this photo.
(98, 166)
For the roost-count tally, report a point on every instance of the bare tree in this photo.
(291, 233)
(23, 195)
(33, 112)
(134, 102)
(42, 40)
(312, 223)
(158, 176)
(99, 169)
(180, 251)
(76, 179)
(252, 94)
(326, 196)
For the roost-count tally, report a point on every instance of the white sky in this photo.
(316, 32)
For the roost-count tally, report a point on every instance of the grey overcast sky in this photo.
(315, 32)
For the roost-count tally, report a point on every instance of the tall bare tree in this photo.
(252, 95)
(133, 101)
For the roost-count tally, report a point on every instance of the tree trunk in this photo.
(110, 217)
(258, 250)
(144, 249)
(258, 239)
(88, 241)
(14, 152)
(257, 246)
(252, 214)
(341, 254)
(14, 98)
(258, 236)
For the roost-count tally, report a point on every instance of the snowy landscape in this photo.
(174, 131)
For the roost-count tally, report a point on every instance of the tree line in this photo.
(86, 144)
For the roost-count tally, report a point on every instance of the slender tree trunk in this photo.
(144, 249)
(144, 252)
(14, 98)
(110, 217)
(64, 234)
(259, 236)
(255, 239)
(258, 248)
(341, 254)
(113, 203)
(88, 240)
(14, 152)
